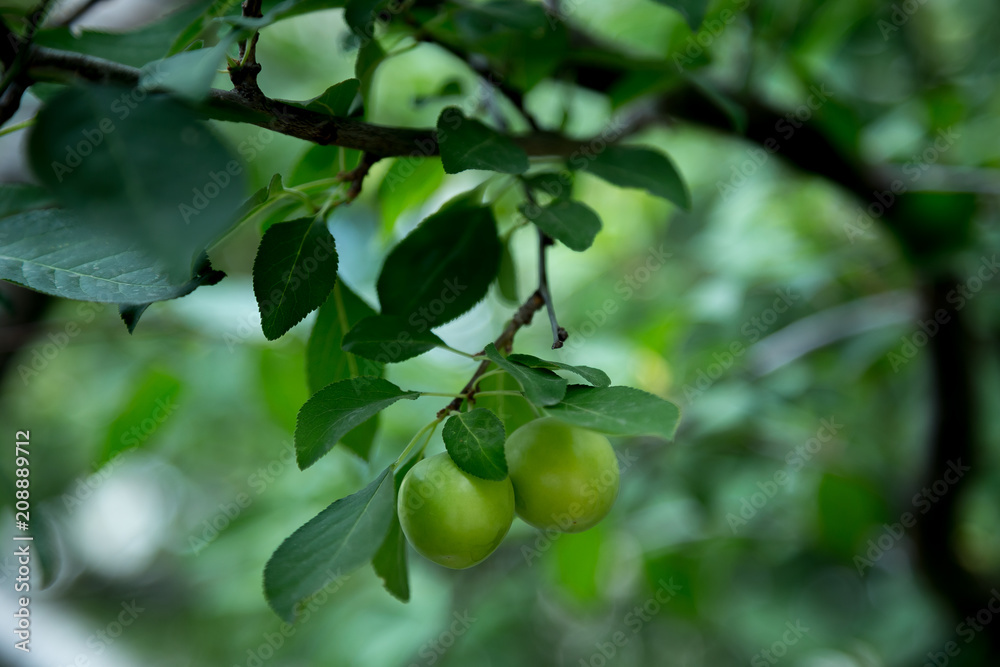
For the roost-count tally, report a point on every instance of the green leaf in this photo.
(507, 273)
(594, 376)
(370, 56)
(466, 143)
(320, 162)
(542, 387)
(135, 48)
(53, 251)
(281, 11)
(636, 167)
(326, 361)
(293, 273)
(693, 11)
(558, 186)
(141, 417)
(475, 443)
(848, 508)
(408, 184)
(337, 100)
(336, 409)
(514, 411)
(514, 14)
(188, 75)
(204, 27)
(390, 562)
(329, 546)
(360, 16)
(204, 275)
(572, 223)
(15, 198)
(444, 267)
(389, 339)
(617, 411)
(138, 166)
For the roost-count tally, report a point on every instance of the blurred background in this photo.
(831, 498)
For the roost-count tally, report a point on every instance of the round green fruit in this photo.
(565, 477)
(451, 517)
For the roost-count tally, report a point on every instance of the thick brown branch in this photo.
(503, 342)
(283, 117)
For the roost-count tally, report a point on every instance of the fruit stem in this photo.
(416, 438)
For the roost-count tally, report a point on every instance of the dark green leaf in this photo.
(337, 100)
(475, 443)
(319, 162)
(204, 275)
(636, 167)
(507, 274)
(408, 184)
(444, 267)
(338, 408)
(390, 562)
(53, 251)
(556, 185)
(466, 143)
(21, 198)
(542, 387)
(139, 419)
(189, 74)
(135, 48)
(617, 411)
(293, 273)
(138, 166)
(326, 361)
(514, 410)
(572, 223)
(594, 376)
(283, 10)
(360, 16)
(370, 56)
(329, 546)
(389, 339)
(693, 11)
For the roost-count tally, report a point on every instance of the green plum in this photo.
(565, 477)
(451, 517)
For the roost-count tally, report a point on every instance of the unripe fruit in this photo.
(565, 477)
(451, 517)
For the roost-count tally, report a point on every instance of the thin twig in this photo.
(503, 342)
(559, 335)
(357, 175)
(244, 74)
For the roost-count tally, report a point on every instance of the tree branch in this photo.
(284, 117)
(503, 342)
